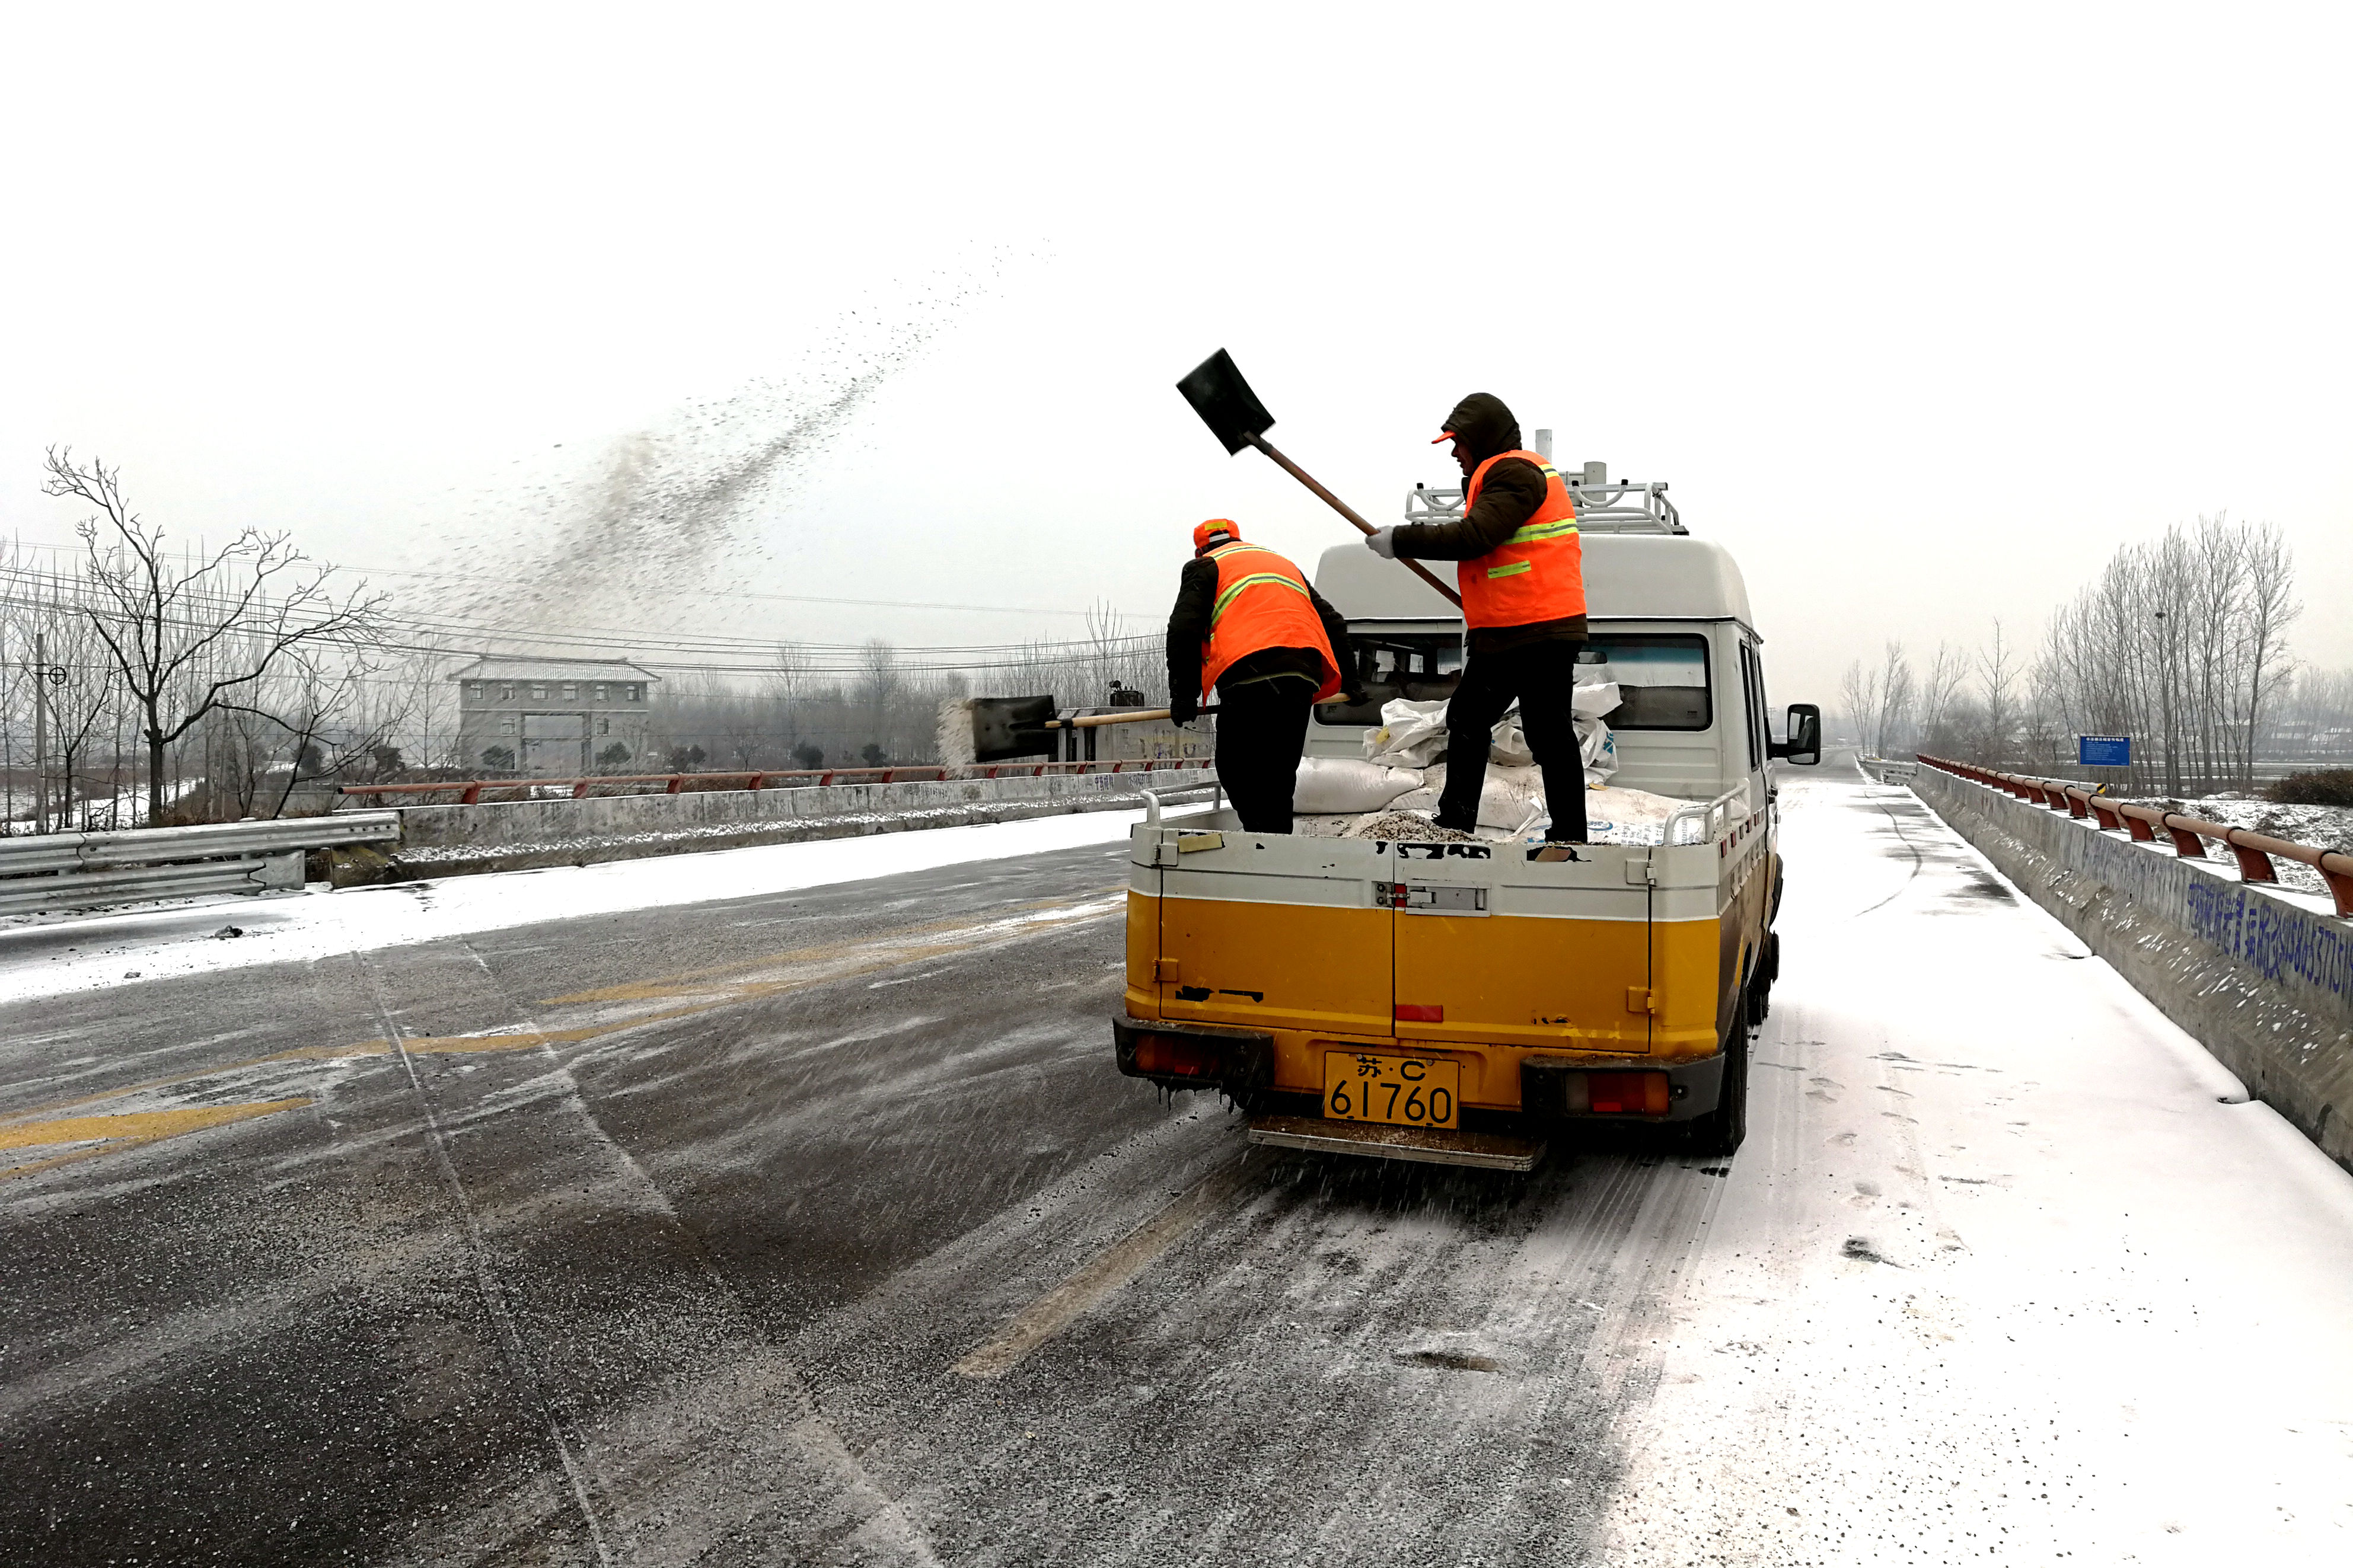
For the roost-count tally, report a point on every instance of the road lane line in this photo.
(1005, 921)
(1059, 1308)
(561, 1426)
(300, 1053)
(884, 951)
(885, 1522)
(131, 1130)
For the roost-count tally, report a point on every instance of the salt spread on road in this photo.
(90, 953)
(829, 1234)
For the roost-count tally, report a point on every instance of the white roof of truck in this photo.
(1627, 576)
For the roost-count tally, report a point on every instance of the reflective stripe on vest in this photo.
(1227, 596)
(1536, 575)
(1243, 623)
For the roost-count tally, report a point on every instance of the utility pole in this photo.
(41, 732)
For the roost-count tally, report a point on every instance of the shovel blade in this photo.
(1008, 727)
(1224, 401)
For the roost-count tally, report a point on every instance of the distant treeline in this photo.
(2181, 643)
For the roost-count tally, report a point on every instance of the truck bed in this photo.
(1491, 954)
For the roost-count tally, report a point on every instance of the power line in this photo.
(427, 575)
(751, 656)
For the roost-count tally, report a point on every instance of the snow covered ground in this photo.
(2328, 826)
(2009, 1270)
(82, 954)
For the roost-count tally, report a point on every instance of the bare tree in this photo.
(335, 711)
(1859, 700)
(1892, 716)
(1939, 688)
(81, 705)
(2000, 668)
(2270, 609)
(879, 682)
(191, 639)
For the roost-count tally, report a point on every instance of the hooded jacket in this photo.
(1511, 494)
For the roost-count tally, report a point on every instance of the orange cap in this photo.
(1203, 533)
(1443, 435)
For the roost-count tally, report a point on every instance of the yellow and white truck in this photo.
(1468, 1002)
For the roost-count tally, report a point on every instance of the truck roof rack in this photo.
(1603, 505)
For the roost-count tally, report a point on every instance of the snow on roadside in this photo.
(2003, 1273)
(2325, 826)
(161, 941)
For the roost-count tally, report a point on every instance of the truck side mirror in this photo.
(1804, 746)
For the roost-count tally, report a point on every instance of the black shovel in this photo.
(1234, 415)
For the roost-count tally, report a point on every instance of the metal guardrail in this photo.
(2253, 851)
(470, 792)
(66, 871)
(1603, 505)
(1712, 820)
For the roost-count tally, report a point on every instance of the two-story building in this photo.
(554, 717)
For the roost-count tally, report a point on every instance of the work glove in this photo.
(1355, 699)
(1183, 710)
(1383, 543)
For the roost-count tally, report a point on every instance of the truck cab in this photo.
(1471, 1003)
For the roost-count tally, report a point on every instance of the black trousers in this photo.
(1543, 676)
(1261, 731)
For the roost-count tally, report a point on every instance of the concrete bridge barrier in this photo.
(2259, 978)
(508, 835)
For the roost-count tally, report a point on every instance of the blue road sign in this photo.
(2103, 751)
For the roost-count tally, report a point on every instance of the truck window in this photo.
(1758, 710)
(1417, 666)
(1748, 702)
(1662, 676)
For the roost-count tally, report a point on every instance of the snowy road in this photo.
(815, 1226)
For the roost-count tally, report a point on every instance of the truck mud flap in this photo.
(1430, 1145)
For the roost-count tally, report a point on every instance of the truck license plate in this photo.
(1404, 1091)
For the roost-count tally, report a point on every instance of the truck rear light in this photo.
(1202, 1057)
(1176, 1056)
(1615, 1093)
(1421, 1013)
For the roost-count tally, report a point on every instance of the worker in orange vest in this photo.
(1251, 627)
(1521, 573)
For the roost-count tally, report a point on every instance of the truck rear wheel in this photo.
(1718, 1133)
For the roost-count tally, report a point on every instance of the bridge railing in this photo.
(471, 792)
(62, 871)
(2255, 852)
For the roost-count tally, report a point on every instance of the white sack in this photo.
(1328, 784)
(1508, 746)
(1409, 735)
(1595, 701)
(1511, 797)
(1598, 745)
(1628, 816)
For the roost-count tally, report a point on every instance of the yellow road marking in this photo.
(884, 950)
(130, 1130)
(683, 984)
(1051, 1313)
(300, 1053)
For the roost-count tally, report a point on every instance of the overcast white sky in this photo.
(1921, 310)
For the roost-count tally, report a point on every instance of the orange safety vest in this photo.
(1262, 601)
(1537, 575)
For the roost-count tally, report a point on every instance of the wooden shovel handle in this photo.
(1094, 720)
(1337, 504)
